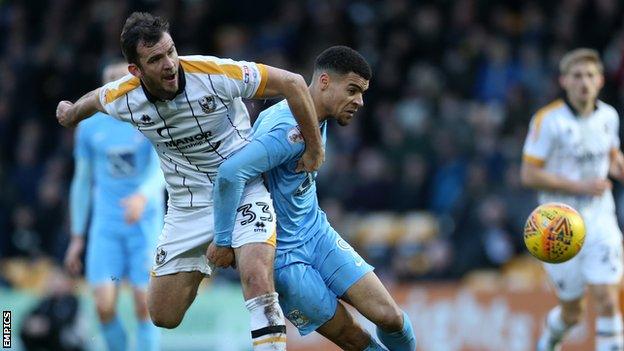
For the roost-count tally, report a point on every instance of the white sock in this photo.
(609, 336)
(268, 326)
(554, 330)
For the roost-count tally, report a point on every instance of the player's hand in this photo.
(311, 160)
(595, 187)
(220, 256)
(72, 257)
(62, 115)
(134, 205)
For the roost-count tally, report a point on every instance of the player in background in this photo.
(191, 109)
(117, 174)
(316, 271)
(570, 151)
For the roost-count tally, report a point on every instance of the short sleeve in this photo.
(240, 79)
(110, 93)
(539, 141)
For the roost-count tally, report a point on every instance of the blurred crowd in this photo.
(454, 86)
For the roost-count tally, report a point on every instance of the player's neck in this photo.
(321, 114)
(582, 108)
(159, 93)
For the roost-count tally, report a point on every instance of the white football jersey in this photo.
(193, 133)
(574, 147)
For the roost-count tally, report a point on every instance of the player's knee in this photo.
(163, 320)
(257, 282)
(106, 312)
(256, 286)
(391, 319)
(226, 173)
(572, 314)
(163, 317)
(606, 305)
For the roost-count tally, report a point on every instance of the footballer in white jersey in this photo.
(577, 148)
(191, 109)
(193, 133)
(197, 129)
(571, 149)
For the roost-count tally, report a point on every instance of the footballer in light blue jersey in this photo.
(314, 266)
(118, 184)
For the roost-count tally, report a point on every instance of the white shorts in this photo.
(188, 231)
(599, 262)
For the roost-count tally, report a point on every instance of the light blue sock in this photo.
(148, 336)
(114, 334)
(374, 346)
(403, 340)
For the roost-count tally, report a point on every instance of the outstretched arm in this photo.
(293, 87)
(69, 114)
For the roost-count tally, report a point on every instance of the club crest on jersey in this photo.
(208, 103)
(161, 254)
(295, 136)
(146, 120)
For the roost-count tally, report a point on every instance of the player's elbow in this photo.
(228, 174)
(294, 83)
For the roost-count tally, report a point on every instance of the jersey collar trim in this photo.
(181, 86)
(574, 111)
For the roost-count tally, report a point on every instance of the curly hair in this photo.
(141, 27)
(343, 60)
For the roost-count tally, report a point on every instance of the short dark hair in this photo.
(141, 27)
(343, 60)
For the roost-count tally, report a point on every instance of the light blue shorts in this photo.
(116, 250)
(311, 277)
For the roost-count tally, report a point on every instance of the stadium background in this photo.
(424, 182)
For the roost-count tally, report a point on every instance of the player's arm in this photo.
(539, 144)
(69, 114)
(79, 203)
(533, 175)
(616, 158)
(248, 163)
(616, 164)
(232, 175)
(265, 152)
(153, 184)
(293, 87)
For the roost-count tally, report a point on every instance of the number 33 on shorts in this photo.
(255, 223)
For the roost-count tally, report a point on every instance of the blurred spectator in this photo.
(54, 323)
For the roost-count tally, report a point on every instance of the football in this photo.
(554, 232)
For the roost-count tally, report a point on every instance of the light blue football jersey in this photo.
(299, 216)
(119, 156)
